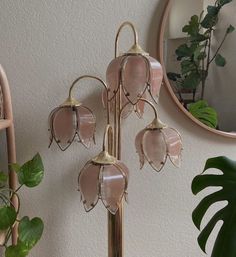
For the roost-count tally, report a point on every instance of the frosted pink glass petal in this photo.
(154, 148)
(112, 187)
(156, 76)
(139, 107)
(87, 123)
(64, 126)
(89, 185)
(135, 77)
(174, 145)
(124, 168)
(113, 75)
(139, 147)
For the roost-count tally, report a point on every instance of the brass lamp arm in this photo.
(71, 99)
(126, 23)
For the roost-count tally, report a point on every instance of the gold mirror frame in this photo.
(160, 53)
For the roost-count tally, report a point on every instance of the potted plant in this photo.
(30, 174)
(196, 57)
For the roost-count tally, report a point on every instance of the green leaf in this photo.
(220, 60)
(192, 28)
(7, 217)
(15, 166)
(173, 76)
(31, 173)
(185, 51)
(30, 231)
(230, 29)
(201, 111)
(187, 66)
(20, 250)
(209, 21)
(192, 80)
(3, 177)
(213, 10)
(223, 2)
(224, 245)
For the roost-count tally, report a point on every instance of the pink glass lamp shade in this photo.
(106, 178)
(156, 142)
(134, 75)
(68, 121)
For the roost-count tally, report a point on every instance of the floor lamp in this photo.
(133, 81)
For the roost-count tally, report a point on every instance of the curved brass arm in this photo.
(126, 23)
(136, 48)
(71, 100)
(106, 143)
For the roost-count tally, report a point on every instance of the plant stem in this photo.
(218, 49)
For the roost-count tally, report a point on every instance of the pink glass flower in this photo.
(134, 74)
(155, 143)
(67, 121)
(105, 178)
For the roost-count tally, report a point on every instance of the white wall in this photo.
(44, 46)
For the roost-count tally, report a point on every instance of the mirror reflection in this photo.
(200, 59)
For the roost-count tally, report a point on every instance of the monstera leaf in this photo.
(225, 244)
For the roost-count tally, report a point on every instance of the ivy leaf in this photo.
(201, 111)
(220, 60)
(30, 231)
(7, 217)
(19, 250)
(31, 173)
(230, 29)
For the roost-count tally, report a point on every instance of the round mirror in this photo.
(196, 48)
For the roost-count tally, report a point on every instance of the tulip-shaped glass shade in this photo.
(131, 75)
(68, 121)
(134, 75)
(156, 142)
(106, 178)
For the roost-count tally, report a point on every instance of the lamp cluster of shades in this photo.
(136, 77)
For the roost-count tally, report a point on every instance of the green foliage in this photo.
(196, 57)
(220, 60)
(19, 250)
(7, 217)
(224, 245)
(201, 111)
(3, 179)
(30, 231)
(29, 174)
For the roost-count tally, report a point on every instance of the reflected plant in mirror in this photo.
(197, 53)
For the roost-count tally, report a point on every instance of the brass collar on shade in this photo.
(104, 158)
(70, 101)
(156, 124)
